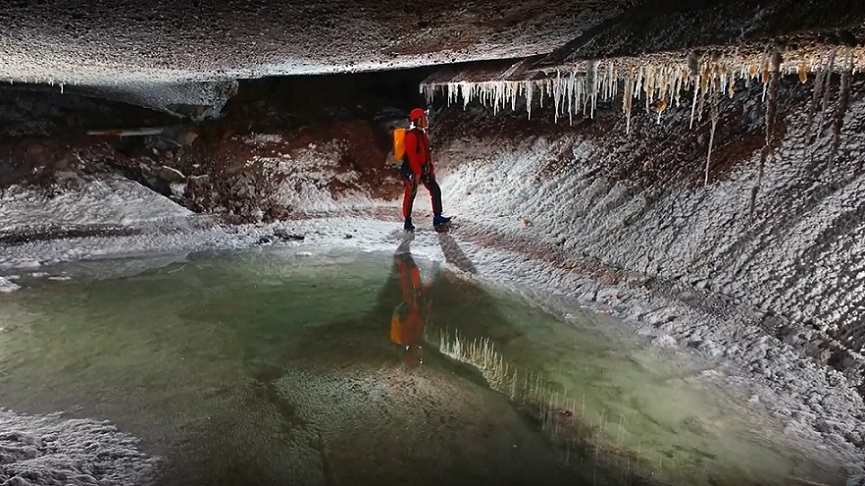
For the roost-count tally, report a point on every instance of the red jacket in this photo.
(418, 152)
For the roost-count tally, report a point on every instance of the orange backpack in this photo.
(399, 144)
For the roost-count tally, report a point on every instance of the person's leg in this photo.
(435, 194)
(408, 202)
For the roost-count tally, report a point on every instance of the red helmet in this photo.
(418, 113)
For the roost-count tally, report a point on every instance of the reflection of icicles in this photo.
(843, 102)
(566, 423)
(482, 355)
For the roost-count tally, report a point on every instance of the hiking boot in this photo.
(408, 226)
(440, 220)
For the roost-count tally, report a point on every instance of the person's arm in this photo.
(415, 159)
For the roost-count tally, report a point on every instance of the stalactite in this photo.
(704, 85)
(774, 91)
(694, 101)
(843, 102)
(817, 95)
(594, 69)
(627, 99)
(577, 89)
(764, 70)
(713, 116)
(830, 66)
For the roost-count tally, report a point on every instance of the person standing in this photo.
(417, 167)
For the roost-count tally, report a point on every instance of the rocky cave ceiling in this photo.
(188, 52)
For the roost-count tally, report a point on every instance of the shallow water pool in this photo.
(372, 368)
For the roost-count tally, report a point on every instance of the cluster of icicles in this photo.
(660, 85)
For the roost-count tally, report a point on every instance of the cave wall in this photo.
(637, 202)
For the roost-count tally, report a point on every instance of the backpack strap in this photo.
(417, 133)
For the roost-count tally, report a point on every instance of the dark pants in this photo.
(411, 184)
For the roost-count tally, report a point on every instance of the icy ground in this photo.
(823, 411)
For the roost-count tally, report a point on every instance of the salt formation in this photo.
(576, 89)
(774, 88)
(843, 103)
(49, 450)
(7, 286)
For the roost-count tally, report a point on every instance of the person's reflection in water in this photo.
(410, 315)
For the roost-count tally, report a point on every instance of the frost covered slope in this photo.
(110, 200)
(50, 450)
(636, 203)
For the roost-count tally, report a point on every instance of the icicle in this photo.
(627, 100)
(764, 67)
(694, 102)
(704, 84)
(569, 93)
(612, 80)
(662, 105)
(662, 98)
(731, 85)
(595, 87)
(641, 74)
(677, 88)
(556, 88)
(771, 113)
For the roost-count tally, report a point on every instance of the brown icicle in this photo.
(771, 113)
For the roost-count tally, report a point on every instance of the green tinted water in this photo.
(279, 369)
